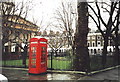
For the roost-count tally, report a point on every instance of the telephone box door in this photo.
(33, 58)
(43, 57)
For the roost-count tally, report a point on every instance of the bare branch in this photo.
(99, 14)
(98, 25)
(116, 17)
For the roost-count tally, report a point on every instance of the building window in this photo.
(98, 43)
(110, 50)
(98, 37)
(98, 50)
(88, 44)
(91, 51)
(93, 44)
(95, 51)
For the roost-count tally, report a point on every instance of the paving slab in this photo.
(113, 74)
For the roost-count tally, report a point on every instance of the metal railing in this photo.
(62, 61)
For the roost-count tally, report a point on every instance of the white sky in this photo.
(44, 10)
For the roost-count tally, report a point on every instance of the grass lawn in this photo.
(63, 63)
(56, 64)
(60, 64)
(13, 63)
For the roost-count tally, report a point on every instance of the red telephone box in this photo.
(38, 56)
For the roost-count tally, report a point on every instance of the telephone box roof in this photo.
(38, 39)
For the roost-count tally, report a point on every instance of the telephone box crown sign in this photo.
(38, 39)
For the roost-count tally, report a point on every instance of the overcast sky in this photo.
(44, 10)
(41, 8)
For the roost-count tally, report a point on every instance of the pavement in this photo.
(113, 74)
(22, 74)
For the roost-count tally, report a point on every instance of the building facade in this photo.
(96, 42)
(20, 32)
(15, 29)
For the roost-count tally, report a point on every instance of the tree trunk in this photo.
(104, 53)
(116, 59)
(82, 60)
(56, 54)
(116, 41)
(73, 50)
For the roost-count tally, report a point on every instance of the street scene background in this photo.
(82, 36)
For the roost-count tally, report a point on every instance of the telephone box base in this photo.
(37, 74)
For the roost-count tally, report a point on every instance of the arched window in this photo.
(91, 50)
(88, 44)
(110, 50)
(98, 50)
(95, 51)
(93, 44)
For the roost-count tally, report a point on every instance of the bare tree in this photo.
(65, 16)
(57, 41)
(11, 14)
(111, 25)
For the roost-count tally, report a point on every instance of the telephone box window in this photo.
(33, 57)
(43, 56)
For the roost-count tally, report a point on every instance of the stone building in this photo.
(20, 32)
(95, 44)
(15, 30)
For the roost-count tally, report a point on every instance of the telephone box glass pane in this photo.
(43, 56)
(33, 62)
